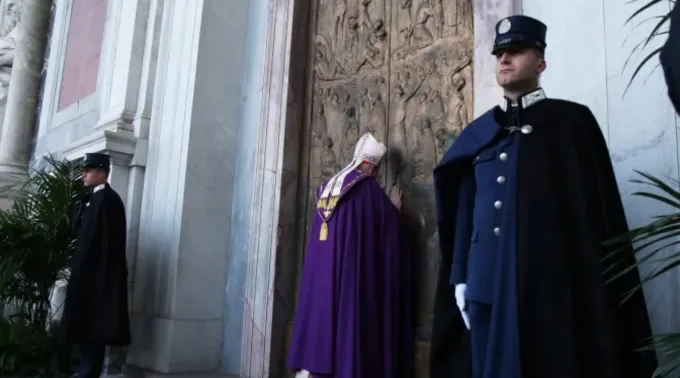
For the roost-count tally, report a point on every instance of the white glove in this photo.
(460, 302)
(302, 374)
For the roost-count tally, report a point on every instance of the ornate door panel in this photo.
(402, 70)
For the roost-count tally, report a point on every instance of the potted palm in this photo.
(655, 244)
(36, 243)
(659, 30)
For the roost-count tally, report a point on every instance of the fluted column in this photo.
(24, 90)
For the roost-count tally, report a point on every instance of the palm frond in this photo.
(656, 247)
(36, 238)
(659, 29)
(667, 347)
(654, 238)
(642, 9)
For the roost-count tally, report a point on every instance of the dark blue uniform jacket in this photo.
(563, 204)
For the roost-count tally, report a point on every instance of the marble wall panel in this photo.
(242, 211)
(186, 209)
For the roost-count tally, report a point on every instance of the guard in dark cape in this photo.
(96, 309)
(526, 196)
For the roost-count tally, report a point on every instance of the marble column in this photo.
(24, 90)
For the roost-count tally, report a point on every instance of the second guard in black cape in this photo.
(526, 196)
(96, 308)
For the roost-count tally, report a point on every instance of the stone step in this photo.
(135, 372)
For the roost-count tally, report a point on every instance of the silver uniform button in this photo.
(527, 129)
(497, 231)
(503, 156)
(501, 179)
(498, 204)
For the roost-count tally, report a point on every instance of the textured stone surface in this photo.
(403, 71)
(400, 69)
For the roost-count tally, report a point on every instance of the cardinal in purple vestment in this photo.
(354, 312)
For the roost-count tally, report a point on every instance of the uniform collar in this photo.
(526, 99)
(98, 188)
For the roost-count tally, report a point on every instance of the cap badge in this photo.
(504, 26)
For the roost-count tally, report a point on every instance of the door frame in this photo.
(278, 230)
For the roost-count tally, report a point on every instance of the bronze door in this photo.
(401, 69)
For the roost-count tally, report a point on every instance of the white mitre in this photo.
(369, 150)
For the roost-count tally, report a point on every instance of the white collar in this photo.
(98, 188)
(526, 99)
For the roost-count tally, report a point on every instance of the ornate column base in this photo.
(11, 179)
(12, 174)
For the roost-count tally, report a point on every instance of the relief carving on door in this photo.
(401, 69)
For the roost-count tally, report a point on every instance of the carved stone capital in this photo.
(121, 145)
(116, 121)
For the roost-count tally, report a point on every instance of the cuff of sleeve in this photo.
(457, 274)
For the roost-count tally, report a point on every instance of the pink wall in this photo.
(83, 51)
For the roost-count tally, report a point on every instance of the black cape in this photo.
(96, 308)
(670, 58)
(571, 324)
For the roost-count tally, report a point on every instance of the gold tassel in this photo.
(323, 234)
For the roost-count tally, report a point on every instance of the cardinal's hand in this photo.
(396, 195)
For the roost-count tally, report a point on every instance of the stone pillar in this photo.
(264, 245)
(24, 90)
(119, 179)
(126, 86)
(185, 218)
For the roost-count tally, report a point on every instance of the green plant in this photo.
(654, 244)
(30, 351)
(660, 29)
(36, 244)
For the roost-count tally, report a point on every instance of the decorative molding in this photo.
(120, 145)
(108, 52)
(74, 111)
(51, 116)
(267, 188)
(55, 64)
(119, 121)
(122, 66)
